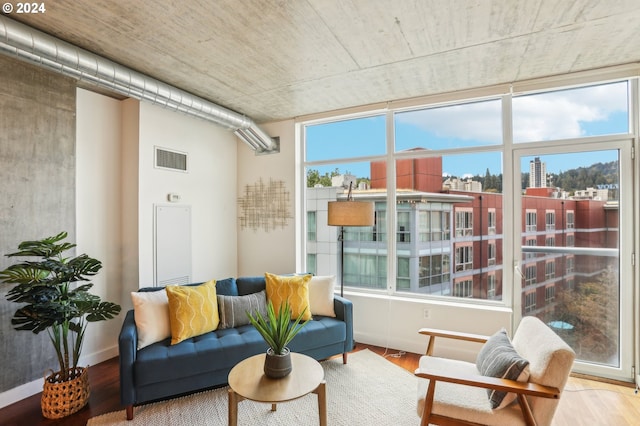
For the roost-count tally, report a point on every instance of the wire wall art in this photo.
(265, 206)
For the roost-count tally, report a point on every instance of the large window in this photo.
(444, 168)
(443, 208)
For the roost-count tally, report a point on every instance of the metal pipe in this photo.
(34, 46)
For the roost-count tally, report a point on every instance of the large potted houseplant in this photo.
(52, 301)
(277, 330)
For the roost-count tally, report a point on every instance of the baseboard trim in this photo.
(29, 389)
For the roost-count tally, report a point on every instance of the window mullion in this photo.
(391, 205)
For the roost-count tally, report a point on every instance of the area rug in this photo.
(368, 390)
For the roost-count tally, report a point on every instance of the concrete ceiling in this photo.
(278, 59)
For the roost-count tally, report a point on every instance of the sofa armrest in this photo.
(344, 312)
(127, 347)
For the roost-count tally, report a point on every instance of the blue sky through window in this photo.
(563, 114)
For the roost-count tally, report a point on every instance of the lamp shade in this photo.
(351, 213)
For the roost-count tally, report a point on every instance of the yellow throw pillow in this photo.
(193, 310)
(293, 288)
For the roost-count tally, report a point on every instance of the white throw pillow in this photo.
(151, 309)
(321, 295)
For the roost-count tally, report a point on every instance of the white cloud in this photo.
(559, 115)
(478, 121)
(554, 115)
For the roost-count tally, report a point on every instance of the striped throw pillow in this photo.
(233, 309)
(498, 358)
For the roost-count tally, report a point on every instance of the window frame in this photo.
(505, 148)
(466, 216)
(463, 257)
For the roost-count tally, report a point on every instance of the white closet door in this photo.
(172, 244)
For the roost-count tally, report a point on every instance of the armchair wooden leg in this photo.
(428, 403)
(130, 412)
(526, 410)
(344, 357)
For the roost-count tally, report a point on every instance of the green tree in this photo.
(592, 308)
(315, 178)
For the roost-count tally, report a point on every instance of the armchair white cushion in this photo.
(458, 392)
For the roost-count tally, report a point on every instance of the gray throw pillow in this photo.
(498, 358)
(233, 309)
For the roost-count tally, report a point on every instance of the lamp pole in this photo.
(341, 238)
(349, 213)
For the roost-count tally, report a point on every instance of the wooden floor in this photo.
(584, 402)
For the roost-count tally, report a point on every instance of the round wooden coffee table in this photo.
(247, 381)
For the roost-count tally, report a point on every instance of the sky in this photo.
(564, 114)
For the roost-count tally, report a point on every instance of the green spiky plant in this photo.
(277, 330)
(53, 303)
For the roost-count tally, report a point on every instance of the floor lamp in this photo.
(349, 213)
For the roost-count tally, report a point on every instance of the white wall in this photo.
(98, 207)
(261, 251)
(117, 187)
(209, 187)
(129, 172)
(394, 323)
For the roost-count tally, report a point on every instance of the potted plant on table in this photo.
(277, 330)
(53, 303)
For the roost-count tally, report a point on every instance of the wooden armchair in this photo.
(455, 392)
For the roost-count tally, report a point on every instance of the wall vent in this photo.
(170, 160)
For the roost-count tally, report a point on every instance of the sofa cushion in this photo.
(292, 288)
(321, 295)
(151, 313)
(498, 358)
(233, 309)
(227, 287)
(248, 285)
(221, 349)
(216, 350)
(192, 310)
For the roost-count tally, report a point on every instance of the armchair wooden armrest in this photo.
(486, 382)
(456, 335)
(519, 388)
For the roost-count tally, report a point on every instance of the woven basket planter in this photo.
(61, 399)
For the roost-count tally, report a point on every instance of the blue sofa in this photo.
(160, 370)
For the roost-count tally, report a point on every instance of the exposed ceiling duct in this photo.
(42, 49)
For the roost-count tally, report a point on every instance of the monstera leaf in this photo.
(53, 300)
